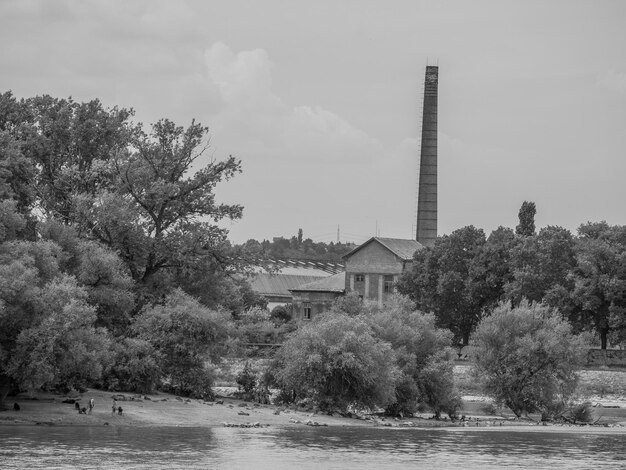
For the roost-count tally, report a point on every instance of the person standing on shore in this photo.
(92, 403)
(114, 407)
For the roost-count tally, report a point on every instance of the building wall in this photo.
(318, 302)
(373, 262)
(374, 258)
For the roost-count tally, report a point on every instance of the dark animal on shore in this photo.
(16, 407)
(82, 411)
(119, 410)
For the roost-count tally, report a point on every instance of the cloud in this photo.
(303, 165)
(265, 125)
(612, 80)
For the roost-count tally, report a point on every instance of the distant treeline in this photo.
(297, 248)
(466, 274)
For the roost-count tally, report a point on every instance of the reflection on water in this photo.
(186, 448)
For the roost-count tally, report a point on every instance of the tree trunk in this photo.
(603, 337)
(5, 388)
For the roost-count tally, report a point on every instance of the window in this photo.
(359, 278)
(307, 311)
(388, 284)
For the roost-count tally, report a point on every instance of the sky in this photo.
(321, 100)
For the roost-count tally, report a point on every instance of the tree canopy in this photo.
(100, 221)
(528, 357)
(526, 215)
(445, 280)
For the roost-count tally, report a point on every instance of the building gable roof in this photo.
(402, 248)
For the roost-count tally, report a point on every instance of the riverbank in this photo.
(163, 409)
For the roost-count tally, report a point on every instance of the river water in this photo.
(65, 447)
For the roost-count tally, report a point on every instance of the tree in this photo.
(423, 356)
(443, 281)
(526, 226)
(491, 268)
(160, 218)
(11, 221)
(16, 175)
(135, 367)
(99, 271)
(335, 361)
(66, 146)
(185, 336)
(599, 294)
(528, 357)
(540, 265)
(62, 350)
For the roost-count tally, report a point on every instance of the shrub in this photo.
(246, 380)
(422, 355)
(336, 362)
(185, 336)
(135, 367)
(281, 314)
(255, 325)
(528, 357)
(195, 383)
(436, 387)
(582, 412)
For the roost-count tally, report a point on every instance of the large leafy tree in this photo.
(540, 266)
(63, 147)
(63, 349)
(491, 268)
(48, 335)
(444, 281)
(148, 196)
(528, 357)
(99, 271)
(598, 298)
(162, 215)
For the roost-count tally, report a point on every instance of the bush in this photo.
(436, 387)
(422, 355)
(185, 336)
(336, 362)
(282, 314)
(528, 357)
(582, 412)
(255, 325)
(194, 383)
(135, 367)
(246, 380)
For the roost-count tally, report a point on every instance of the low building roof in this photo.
(335, 283)
(402, 248)
(299, 266)
(278, 284)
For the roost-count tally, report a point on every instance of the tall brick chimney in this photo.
(426, 231)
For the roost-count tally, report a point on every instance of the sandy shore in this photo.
(168, 410)
(158, 410)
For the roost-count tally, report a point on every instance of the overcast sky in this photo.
(321, 100)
